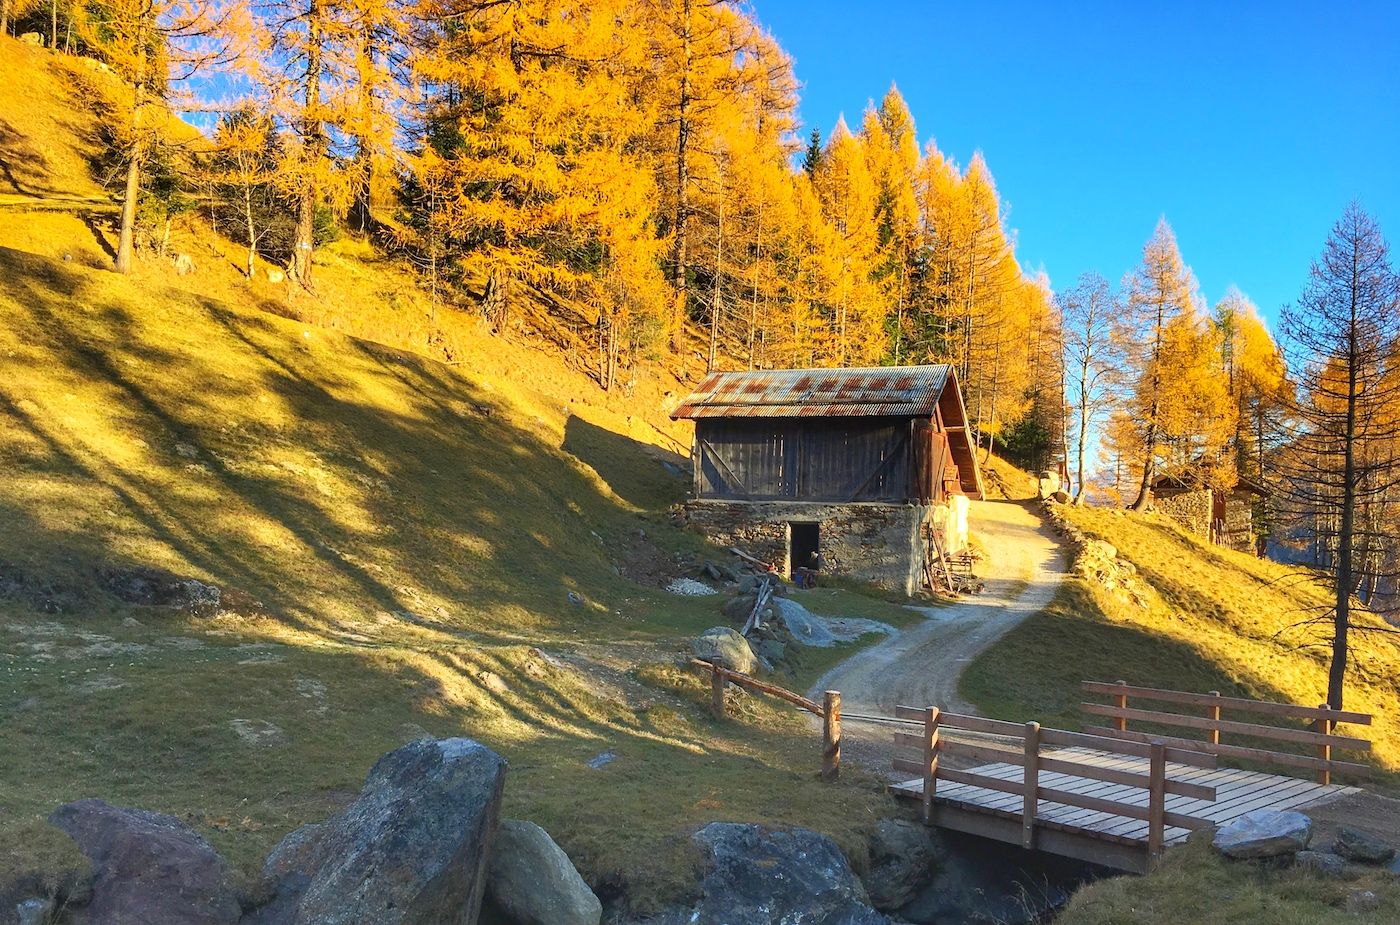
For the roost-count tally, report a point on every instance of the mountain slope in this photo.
(396, 506)
(1214, 619)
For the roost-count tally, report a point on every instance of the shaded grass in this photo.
(1196, 885)
(402, 538)
(1215, 620)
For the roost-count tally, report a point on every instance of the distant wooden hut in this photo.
(1224, 516)
(855, 463)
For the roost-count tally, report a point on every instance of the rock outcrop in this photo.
(756, 876)
(147, 867)
(412, 849)
(720, 645)
(1355, 845)
(533, 882)
(1264, 833)
(903, 856)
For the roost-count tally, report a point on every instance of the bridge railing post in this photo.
(1156, 800)
(930, 762)
(831, 736)
(1121, 702)
(1324, 725)
(1031, 795)
(1214, 710)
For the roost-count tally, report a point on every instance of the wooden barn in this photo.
(858, 464)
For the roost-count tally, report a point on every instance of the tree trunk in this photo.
(252, 237)
(126, 240)
(314, 141)
(682, 219)
(1336, 674)
(719, 269)
(1154, 410)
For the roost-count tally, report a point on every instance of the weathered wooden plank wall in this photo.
(827, 459)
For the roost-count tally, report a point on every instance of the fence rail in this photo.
(1026, 747)
(829, 709)
(1320, 735)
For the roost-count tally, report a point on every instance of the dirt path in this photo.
(921, 666)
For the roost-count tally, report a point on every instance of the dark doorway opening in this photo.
(803, 543)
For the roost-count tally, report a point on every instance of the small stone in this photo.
(602, 758)
(1362, 847)
(258, 733)
(1323, 863)
(184, 264)
(32, 38)
(34, 911)
(1264, 833)
(575, 598)
(275, 275)
(1362, 901)
(493, 682)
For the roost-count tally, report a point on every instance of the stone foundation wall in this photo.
(878, 543)
(1191, 509)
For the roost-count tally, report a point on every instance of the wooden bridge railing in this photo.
(1026, 749)
(1212, 725)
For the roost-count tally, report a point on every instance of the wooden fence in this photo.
(1024, 746)
(829, 709)
(1320, 734)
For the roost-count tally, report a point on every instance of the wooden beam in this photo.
(831, 736)
(1031, 781)
(1256, 730)
(1157, 800)
(1289, 710)
(1241, 752)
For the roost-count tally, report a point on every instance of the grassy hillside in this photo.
(397, 506)
(1215, 620)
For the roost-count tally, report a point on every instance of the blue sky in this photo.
(1249, 125)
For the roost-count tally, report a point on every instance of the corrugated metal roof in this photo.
(898, 391)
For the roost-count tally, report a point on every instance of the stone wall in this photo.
(878, 543)
(1194, 510)
(1191, 509)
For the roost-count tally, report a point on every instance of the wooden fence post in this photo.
(1156, 800)
(1032, 785)
(1121, 702)
(716, 691)
(831, 736)
(1324, 725)
(930, 761)
(1215, 717)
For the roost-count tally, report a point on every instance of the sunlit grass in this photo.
(1216, 620)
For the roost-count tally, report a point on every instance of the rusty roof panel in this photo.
(911, 391)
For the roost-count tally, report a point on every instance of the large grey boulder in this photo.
(1360, 846)
(903, 856)
(147, 867)
(720, 645)
(1264, 833)
(533, 882)
(412, 849)
(756, 876)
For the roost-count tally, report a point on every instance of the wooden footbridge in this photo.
(1111, 795)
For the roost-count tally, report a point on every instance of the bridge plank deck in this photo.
(1237, 792)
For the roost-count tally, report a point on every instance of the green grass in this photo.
(1216, 620)
(401, 536)
(1196, 885)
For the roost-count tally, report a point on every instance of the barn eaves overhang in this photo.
(905, 391)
